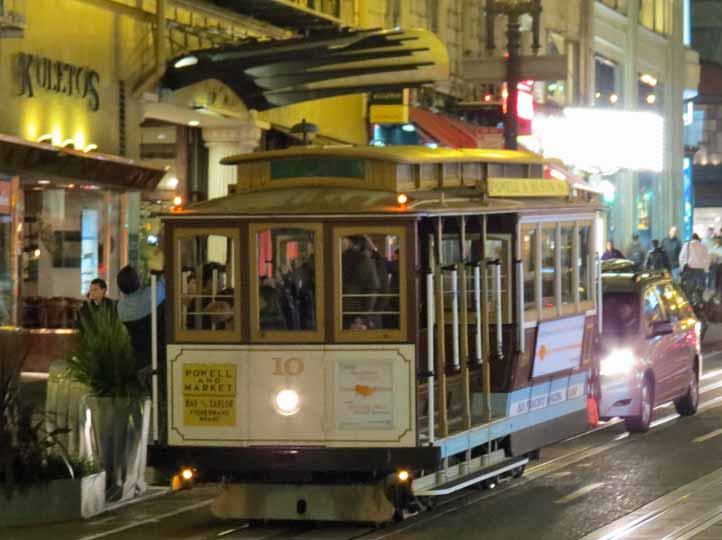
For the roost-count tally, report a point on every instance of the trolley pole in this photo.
(513, 10)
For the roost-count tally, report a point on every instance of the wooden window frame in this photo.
(342, 335)
(532, 315)
(553, 312)
(286, 336)
(588, 304)
(206, 336)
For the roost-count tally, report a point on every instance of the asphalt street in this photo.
(591, 487)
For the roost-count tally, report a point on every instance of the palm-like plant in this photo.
(103, 358)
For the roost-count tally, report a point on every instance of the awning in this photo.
(284, 14)
(40, 159)
(450, 132)
(269, 74)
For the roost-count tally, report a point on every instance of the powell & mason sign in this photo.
(59, 77)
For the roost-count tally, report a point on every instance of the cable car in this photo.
(354, 331)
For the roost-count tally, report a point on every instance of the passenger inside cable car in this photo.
(370, 283)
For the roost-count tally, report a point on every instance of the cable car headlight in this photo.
(617, 362)
(287, 402)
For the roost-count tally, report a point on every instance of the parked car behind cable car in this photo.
(650, 346)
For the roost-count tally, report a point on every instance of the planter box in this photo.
(121, 427)
(57, 500)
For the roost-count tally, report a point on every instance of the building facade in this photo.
(626, 55)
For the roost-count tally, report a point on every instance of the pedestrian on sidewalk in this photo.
(635, 251)
(694, 261)
(96, 302)
(657, 258)
(672, 247)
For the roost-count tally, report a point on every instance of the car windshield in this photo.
(620, 314)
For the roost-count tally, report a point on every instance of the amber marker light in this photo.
(403, 475)
(187, 474)
(402, 198)
(177, 200)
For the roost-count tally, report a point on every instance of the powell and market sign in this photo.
(35, 72)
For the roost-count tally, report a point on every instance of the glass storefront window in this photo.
(67, 244)
(7, 296)
(608, 83)
(653, 14)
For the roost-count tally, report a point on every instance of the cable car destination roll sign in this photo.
(209, 394)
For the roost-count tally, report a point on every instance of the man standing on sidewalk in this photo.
(694, 261)
(672, 247)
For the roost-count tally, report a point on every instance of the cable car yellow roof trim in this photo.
(397, 154)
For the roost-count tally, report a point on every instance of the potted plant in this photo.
(35, 470)
(117, 408)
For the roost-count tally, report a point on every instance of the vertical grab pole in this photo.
(486, 366)
(440, 360)
(455, 316)
(154, 353)
(464, 338)
(598, 268)
(214, 292)
(477, 309)
(430, 319)
(522, 301)
(499, 318)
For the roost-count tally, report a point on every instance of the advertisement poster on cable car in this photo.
(364, 395)
(558, 346)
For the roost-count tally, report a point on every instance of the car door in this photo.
(679, 352)
(659, 348)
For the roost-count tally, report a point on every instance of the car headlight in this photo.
(618, 362)
(287, 402)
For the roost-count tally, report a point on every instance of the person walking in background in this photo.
(95, 302)
(635, 251)
(657, 258)
(694, 261)
(672, 247)
(612, 252)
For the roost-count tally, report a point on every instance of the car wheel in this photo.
(687, 404)
(640, 424)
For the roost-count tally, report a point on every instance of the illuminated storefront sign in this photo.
(35, 71)
(602, 140)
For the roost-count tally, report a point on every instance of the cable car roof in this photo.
(344, 201)
(398, 154)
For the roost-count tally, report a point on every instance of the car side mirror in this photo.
(661, 328)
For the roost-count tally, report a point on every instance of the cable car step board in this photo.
(466, 474)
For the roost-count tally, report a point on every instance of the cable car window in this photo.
(529, 256)
(567, 266)
(207, 276)
(585, 275)
(370, 296)
(286, 285)
(548, 269)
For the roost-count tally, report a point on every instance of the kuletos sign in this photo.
(34, 72)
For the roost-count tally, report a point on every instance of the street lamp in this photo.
(513, 10)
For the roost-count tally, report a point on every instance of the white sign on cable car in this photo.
(558, 346)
